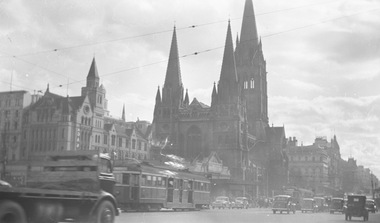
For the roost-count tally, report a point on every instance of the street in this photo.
(231, 216)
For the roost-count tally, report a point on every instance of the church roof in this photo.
(196, 104)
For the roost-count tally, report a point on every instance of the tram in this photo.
(146, 187)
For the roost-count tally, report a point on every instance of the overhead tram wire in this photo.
(163, 31)
(221, 47)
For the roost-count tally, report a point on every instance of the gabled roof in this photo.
(77, 102)
(196, 104)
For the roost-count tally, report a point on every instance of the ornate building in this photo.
(235, 125)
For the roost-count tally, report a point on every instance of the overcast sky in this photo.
(323, 58)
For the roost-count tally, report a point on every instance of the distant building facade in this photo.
(12, 104)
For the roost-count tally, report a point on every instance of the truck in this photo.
(74, 186)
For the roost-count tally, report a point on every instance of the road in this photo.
(232, 216)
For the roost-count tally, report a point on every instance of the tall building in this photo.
(12, 104)
(235, 125)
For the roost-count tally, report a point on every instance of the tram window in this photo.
(154, 179)
(202, 186)
(118, 178)
(125, 178)
(159, 181)
(175, 183)
(149, 180)
(135, 180)
(171, 183)
(143, 180)
(163, 182)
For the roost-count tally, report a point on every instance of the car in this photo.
(319, 204)
(241, 202)
(283, 203)
(371, 205)
(307, 204)
(221, 202)
(336, 205)
(356, 207)
(4, 184)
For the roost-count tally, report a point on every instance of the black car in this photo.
(371, 205)
(356, 207)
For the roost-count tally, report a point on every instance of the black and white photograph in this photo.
(183, 111)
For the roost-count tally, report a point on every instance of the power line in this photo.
(221, 47)
(160, 32)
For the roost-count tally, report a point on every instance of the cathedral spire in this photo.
(228, 72)
(248, 34)
(173, 72)
(123, 113)
(214, 96)
(158, 96)
(228, 82)
(186, 101)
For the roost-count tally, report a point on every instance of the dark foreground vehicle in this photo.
(356, 207)
(336, 205)
(283, 203)
(64, 186)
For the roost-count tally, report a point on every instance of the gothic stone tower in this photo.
(229, 114)
(252, 75)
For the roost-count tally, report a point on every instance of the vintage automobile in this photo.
(319, 204)
(307, 204)
(241, 202)
(356, 207)
(221, 202)
(336, 205)
(283, 203)
(371, 205)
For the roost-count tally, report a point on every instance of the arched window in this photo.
(252, 83)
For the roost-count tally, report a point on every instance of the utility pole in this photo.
(373, 191)
(4, 153)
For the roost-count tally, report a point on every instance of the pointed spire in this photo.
(93, 72)
(248, 34)
(214, 96)
(186, 101)
(228, 72)
(93, 76)
(123, 113)
(173, 72)
(237, 39)
(158, 96)
(47, 89)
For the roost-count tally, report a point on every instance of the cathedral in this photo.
(235, 125)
